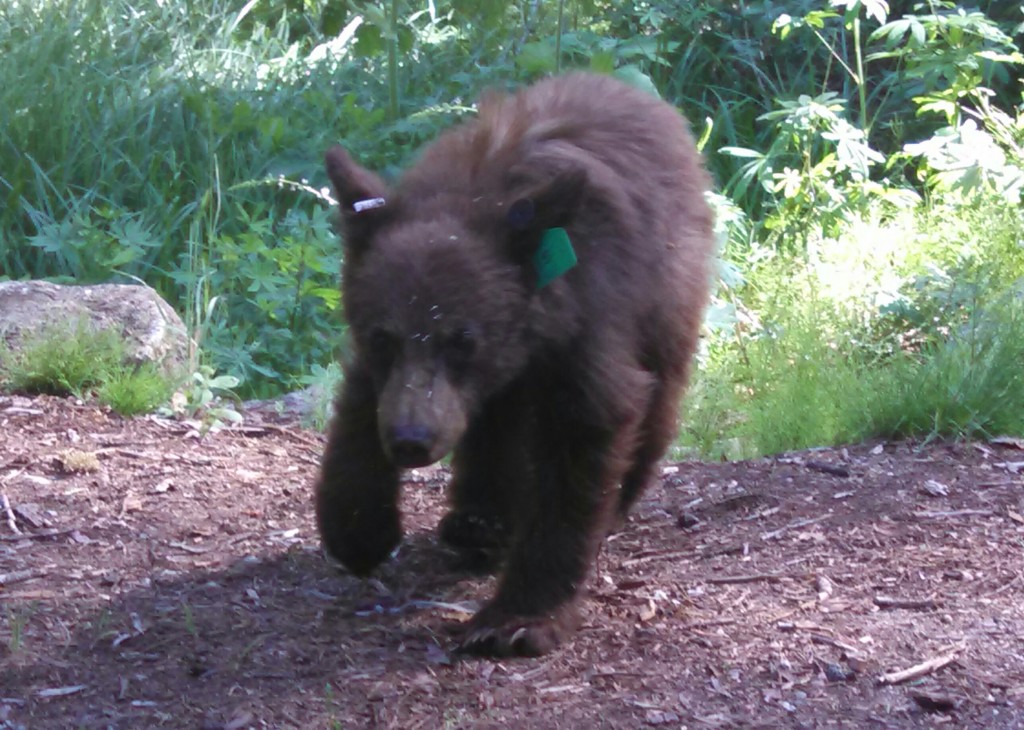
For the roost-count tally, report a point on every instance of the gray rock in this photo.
(151, 329)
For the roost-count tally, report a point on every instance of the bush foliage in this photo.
(868, 154)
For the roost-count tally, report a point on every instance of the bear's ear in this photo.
(362, 195)
(551, 203)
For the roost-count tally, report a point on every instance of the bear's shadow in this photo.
(292, 616)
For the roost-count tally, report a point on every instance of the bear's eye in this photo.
(382, 347)
(458, 349)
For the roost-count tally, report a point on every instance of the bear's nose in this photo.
(410, 445)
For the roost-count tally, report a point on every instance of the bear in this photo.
(527, 298)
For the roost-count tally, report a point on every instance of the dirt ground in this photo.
(154, 578)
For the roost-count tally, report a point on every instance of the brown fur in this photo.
(557, 401)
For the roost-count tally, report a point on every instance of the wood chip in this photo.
(61, 691)
(919, 670)
(825, 587)
(31, 514)
(935, 489)
(648, 612)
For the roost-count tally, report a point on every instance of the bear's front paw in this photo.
(498, 633)
(361, 547)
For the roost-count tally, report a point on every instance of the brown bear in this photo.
(527, 296)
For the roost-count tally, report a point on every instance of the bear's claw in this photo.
(495, 633)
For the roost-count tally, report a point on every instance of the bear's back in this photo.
(644, 231)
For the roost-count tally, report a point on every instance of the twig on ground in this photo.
(822, 639)
(833, 469)
(955, 513)
(19, 576)
(1009, 584)
(11, 522)
(753, 578)
(658, 556)
(12, 475)
(816, 635)
(61, 691)
(698, 625)
(919, 670)
(792, 526)
(912, 603)
(36, 535)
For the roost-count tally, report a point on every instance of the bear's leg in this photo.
(357, 491)
(656, 433)
(581, 449)
(490, 467)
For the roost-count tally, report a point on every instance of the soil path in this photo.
(153, 578)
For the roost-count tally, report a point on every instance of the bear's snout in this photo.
(411, 445)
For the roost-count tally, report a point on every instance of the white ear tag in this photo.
(369, 204)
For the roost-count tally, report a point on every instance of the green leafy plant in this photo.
(182, 144)
(817, 169)
(896, 327)
(953, 55)
(208, 397)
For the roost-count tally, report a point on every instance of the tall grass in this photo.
(130, 136)
(72, 358)
(181, 143)
(129, 116)
(970, 385)
(823, 364)
(803, 389)
(151, 140)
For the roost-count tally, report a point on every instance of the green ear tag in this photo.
(554, 256)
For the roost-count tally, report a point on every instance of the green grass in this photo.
(900, 329)
(75, 360)
(802, 388)
(970, 385)
(131, 391)
(181, 144)
(137, 141)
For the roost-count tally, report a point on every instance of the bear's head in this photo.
(437, 290)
